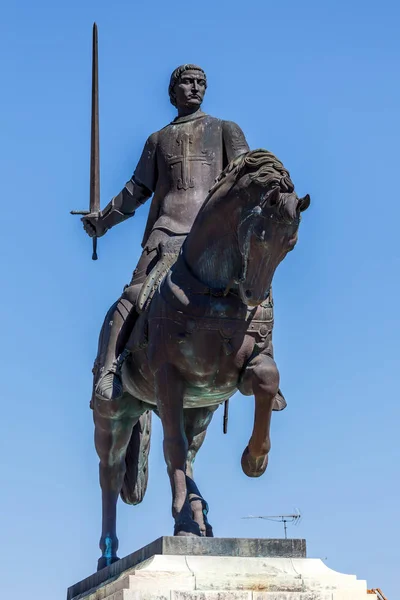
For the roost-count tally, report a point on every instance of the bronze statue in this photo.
(179, 164)
(195, 323)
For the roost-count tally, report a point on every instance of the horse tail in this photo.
(137, 458)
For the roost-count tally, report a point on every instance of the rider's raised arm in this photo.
(234, 141)
(137, 190)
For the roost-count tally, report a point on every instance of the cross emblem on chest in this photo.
(185, 160)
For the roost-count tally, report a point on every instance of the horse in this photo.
(204, 332)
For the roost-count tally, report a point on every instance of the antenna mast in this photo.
(280, 519)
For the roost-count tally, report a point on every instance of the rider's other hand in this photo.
(92, 224)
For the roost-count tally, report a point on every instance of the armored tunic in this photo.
(179, 165)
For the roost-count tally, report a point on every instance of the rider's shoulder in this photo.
(230, 126)
(153, 139)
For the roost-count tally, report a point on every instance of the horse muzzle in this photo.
(251, 297)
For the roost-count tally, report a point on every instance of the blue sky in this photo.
(316, 83)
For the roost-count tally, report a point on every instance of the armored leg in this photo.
(121, 319)
(116, 329)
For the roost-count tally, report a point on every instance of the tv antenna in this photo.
(285, 519)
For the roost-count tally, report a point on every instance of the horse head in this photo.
(248, 223)
(267, 231)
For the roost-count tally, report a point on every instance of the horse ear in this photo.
(304, 203)
(273, 198)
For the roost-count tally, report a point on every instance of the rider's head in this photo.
(187, 87)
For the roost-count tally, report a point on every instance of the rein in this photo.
(245, 232)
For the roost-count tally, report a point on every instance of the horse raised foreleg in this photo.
(262, 379)
(113, 430)
(170, 390)
(196, 422)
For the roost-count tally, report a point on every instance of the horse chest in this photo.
(207, 358)
(203, 352)
(209, 346)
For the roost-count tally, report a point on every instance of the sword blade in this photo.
(94, 146)
(94, 203)
(95, 136)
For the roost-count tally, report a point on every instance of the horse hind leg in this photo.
(114, 423)
(196, 423)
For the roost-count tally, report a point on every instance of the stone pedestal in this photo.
(220, 569)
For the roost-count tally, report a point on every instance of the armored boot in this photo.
(109, 385)
(112, 353)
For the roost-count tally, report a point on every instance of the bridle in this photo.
(244, 234)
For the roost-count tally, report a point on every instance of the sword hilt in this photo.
(94, 239)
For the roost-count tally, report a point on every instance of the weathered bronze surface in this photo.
(195, 323)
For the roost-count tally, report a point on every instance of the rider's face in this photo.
(190, 89)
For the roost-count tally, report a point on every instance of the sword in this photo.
(94, 205)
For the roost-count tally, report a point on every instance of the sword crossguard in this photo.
(94, 239)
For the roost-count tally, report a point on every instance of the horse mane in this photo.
(262, 166)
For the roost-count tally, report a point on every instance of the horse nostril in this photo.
(248, 294)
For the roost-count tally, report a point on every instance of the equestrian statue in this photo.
(195, 323)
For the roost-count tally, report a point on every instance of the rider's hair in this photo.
(176, 75)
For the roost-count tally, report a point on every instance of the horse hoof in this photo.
(209, 531)
(253, 466)
(106, 561)
(187, 529)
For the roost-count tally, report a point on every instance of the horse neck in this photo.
(211, 249)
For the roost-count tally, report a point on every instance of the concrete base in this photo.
(189, 577)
